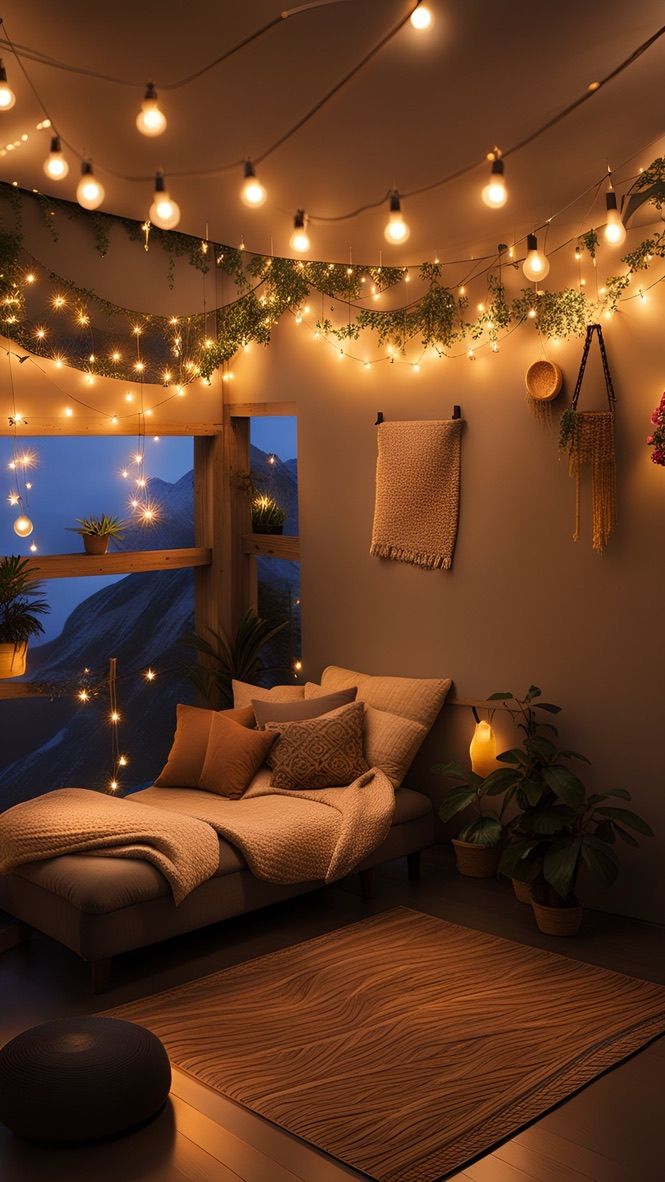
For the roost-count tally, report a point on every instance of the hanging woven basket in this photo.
(544, 380)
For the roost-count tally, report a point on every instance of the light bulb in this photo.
(252, 193)
(396, 230)
(299, 239)
(421, 17)
(151, 120)
(7, 96)
(89, 192)
(55, 165)
(615, 231)
(536, 264)
(483, 749)
(23, 526)
(164, 212)
(495, 193)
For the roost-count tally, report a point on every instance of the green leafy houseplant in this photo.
(97, 532)
(225, 660)
(21, 606)
(267, 516)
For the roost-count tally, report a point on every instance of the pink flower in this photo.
(649, 439)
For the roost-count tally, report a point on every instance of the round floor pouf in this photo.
(82, 1079)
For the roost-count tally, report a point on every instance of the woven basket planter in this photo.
(544, 380)
(522, 890)
(557, 921)
(476, 861)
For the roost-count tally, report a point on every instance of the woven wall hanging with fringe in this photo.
(588, 438)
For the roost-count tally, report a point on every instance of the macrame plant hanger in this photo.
(588, 437)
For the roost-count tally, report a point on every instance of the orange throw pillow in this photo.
(234, 756)
(187, 756)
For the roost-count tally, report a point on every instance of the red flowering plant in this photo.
(657, 439)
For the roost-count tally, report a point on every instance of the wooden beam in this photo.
(273, 545)
(67, 566)
(250, 410)
(35, 425)
(238, 586)
(21, 689)
(208, 501)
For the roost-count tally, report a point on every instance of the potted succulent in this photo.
(478, 845)
(21, 606)
(556, 841)
(267, 516)
(98, 532)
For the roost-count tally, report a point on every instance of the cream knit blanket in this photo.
(285, 837)
(417, 492)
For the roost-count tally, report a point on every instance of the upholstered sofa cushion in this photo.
(418, 698)
(243, 693)
(391, 742)
(187, 755)
(321, 752)
(265, 712)
(233, 756)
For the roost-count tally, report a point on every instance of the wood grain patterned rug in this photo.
(403, 1045)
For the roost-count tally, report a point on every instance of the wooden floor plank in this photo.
(249, 1162)
(537, 1164)
(492, 1169)
(568, 1154)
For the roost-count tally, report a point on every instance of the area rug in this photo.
(403, 1045)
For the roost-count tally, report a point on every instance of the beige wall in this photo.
(523, 602)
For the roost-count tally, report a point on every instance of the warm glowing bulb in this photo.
(483, 749)
(150, 675)
(164, 212)
(55, 165)
(89, 193)
(396, 230)
(252, 193)
(122, 761)
(151, 120)
(7, 96)
(114, 785)
(421, 17)
(495, 193)
(114, 716)
(536, 264)
(83, 696)
(300, 239)
(615, 231)
(23, 526)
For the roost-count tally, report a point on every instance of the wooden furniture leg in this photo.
(100, 974)
(366, 882)
(413, 863)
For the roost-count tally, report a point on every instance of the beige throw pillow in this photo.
(187, 755)
(233, 757)
(243, 693)
(324, 752)
(265, 712)
(391, 742)
(418, 698)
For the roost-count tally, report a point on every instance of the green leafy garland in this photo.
(51, 316)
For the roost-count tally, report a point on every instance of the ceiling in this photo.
(428, 104)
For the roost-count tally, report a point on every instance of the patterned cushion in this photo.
(186, 758)
(243, 693)
(322, 752)
(419, 698)
(265, 712)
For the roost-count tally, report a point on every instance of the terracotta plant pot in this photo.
(476, 861)
(12, 659)
(95, 543)
(522, 890)
(557, 921)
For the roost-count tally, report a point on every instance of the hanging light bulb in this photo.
(252, 193)
(89, 192)
(536, 264)
(615, 231)
(299, 239)
(495, 193)
(151, 120)
(55, 165)
(397, 230)
(483, 749)
(23, 526)
(7, 96)
(421, 17)
(164, 212)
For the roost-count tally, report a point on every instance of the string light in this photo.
(615, 231)
(7, 96)
(151, 120)
(397, 230)
(421, 18)
(55, 165)
(495, 193)
(150, 675)
(23, 526)
(164, 212)
(536, 264)
(300, 239)
(252, 193)
(89, 191)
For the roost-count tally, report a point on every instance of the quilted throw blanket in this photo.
(285, 837)
(417, 492)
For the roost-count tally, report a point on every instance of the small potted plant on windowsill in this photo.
(99, 532)
(20, 609)
(267, 516)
